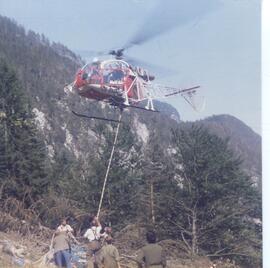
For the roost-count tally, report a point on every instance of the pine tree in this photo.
(211, 205)
(154, 166)
(23, 154)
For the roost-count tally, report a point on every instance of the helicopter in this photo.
(119, 81)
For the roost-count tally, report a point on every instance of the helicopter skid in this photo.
(96, 117)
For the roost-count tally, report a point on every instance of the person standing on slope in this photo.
(94, 244)
(151, 255)
(109, 255)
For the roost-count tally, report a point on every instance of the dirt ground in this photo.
(32, 250)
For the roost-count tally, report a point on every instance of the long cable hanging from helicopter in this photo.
(109, 164)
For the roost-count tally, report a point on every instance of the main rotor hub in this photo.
(119, 53)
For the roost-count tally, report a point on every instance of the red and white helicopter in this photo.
(119, 83)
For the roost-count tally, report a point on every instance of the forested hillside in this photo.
(242, 140)
(185, 180)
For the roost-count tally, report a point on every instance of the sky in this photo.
(266, 130)
(211, 43)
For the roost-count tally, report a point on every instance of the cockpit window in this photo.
(114, 72)
(91, 69)
(116, 75)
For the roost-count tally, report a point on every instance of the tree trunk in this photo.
(194, 234)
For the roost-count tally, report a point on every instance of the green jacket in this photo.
(152, 255)
(109, 256)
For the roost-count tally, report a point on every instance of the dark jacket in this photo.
(152, 255)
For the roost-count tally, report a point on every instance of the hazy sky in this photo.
(213, 43)
(266, 131)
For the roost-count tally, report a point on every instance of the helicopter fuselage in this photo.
(113, 81)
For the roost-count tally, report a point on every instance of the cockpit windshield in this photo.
(91, 68)
(112, 72)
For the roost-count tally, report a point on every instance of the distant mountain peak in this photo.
(243, 141)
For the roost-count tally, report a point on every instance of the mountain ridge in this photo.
(243, 140)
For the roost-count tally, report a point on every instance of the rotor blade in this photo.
(171, 14)
(142, 108)
(90, 54)
(151, 68)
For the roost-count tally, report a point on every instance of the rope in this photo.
(109, 165)
(51, 244)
